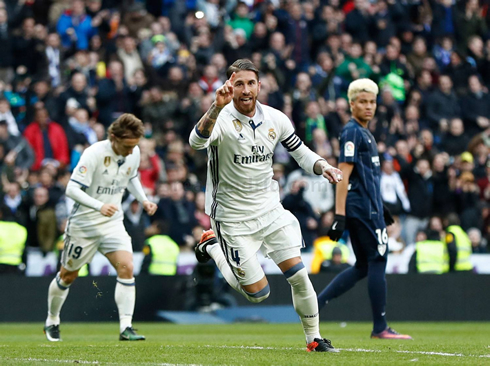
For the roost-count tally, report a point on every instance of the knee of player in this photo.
(297, 275)
(125, 270)
(68, 277)
(259, 296)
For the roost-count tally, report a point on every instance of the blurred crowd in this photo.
(69, 68)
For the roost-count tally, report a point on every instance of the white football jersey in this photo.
(103, 176)
(239, 183)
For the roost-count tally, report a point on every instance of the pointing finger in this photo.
(232, 77)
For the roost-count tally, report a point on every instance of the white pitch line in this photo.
(31, 359)
(416, 352)
(352, 350)
(362, 350)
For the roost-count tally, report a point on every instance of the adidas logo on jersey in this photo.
(105, 172)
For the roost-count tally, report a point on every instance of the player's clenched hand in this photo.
(150, 207)
(109, 209)
(224, 94)
(333, 175)
(338, 227)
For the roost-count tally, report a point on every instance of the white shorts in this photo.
(277, 234)
(79, 251)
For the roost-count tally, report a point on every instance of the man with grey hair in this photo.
(359, 208)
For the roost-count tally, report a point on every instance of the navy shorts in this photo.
(369, 240)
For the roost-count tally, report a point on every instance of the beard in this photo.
(245, 108)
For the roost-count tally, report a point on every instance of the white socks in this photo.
(57, 294)
(125, 296)
(305, 303)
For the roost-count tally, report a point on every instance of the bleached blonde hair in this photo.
(359, 86)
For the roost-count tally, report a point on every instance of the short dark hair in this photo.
(127, 126)
(240, 65)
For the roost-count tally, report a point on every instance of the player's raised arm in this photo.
(224, 95)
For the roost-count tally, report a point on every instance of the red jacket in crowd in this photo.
(57, 138)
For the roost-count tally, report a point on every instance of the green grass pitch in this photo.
(244, 344)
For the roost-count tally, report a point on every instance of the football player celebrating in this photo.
(243, 200)
(97, 185)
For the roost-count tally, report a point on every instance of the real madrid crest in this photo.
(272, 134)
(129, 171)
(107, 161)
(240, 272)
(238, 125)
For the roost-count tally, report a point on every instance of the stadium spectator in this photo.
(359, 21)
(478, 244)
(476, 107)
(354, 66)
(26, 50)
(416, 58)
(129, 56)
(113, 97)
(42, 231)
(78, 130)
(151, 168)
(295, 202)
(11, 204)
(240, 19)
(430, 256)
(420, 194)
(459, 70)
(442, 104)
(315, 192)
(200, 214)
(392, 189)
(41, 91)
(6, 62)
(335, 264)
(177, 214)
(7, 116)
(455, 140)
(78, 96)
(18, 153)
(459, 245)
(467, 196)
(161, 254)
(443, 199)
(394, 72)
(47, 139)
(12, 244)
(136, 222)
(75, 27)
(468, 22)
(137, 18)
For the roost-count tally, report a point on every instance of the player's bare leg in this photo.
(57, 294)
(209, 248)
(125, 294)
(305, 304)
